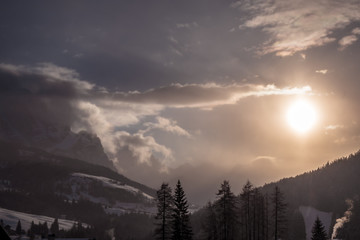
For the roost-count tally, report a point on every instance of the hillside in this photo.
(325, 188)
(35, 181)
(319, 193)
(325, 191)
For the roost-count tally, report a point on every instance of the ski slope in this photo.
(11, 218)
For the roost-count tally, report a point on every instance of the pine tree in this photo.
(181, 219)
(210, 224)
(31, 231)
(18, 228)
(44, 229)
(164, 214)
(318, 230)
(279, 212)
(246, 196)
(54, 228)
(226, 210)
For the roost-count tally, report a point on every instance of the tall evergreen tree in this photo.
(18, 228)
(246, 197)
(210, 224)
(54, 228)
(44, 229)
(181, 219)
(164, 214)
(279, 212)
(318, 230)
(227, 212)
(31, 231)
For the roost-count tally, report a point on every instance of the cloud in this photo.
(322, 71)
(356, 31)
(297, 25)
(44, 79)
(143, 147)
(349, 40)
(187, 25)
(204, 95)
(167, 125)
(333, 127)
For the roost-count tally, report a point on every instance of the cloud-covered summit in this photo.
(57, 95)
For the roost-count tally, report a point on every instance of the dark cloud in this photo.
(28, 96)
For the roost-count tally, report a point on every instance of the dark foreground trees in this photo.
(318, 231)
(181, 217)
(164, 214)
(226, 208)
(173, 217)
(251, 215)
(279, 213)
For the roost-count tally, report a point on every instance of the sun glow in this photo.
(301, 116)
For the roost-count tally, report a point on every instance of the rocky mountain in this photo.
(55, 138)
(36, 181)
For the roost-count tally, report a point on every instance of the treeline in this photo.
(43, 230)
(250, 215)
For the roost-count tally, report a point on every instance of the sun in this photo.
(301, 116)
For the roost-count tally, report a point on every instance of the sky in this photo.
(190, 90)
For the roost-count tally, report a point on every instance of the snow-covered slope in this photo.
(115, 196)
(11, 218)
(107, 182)
(309, 214)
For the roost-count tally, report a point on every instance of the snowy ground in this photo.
(12, 217)
(309, 214)
(114, 184)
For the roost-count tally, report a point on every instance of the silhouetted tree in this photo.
(227, 212)
(54, 228)
(164, 214)
(279, 212)
(181, 219)
(266, 217)
(210, 224)
(44, 229)
(31, 231)
(246, 197)
(18, 228)
(318, 230)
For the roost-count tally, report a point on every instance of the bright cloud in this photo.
(205, 95)
(297, 25)
(322, 71)
(143, 147)
(167, 125)
(349, 40)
